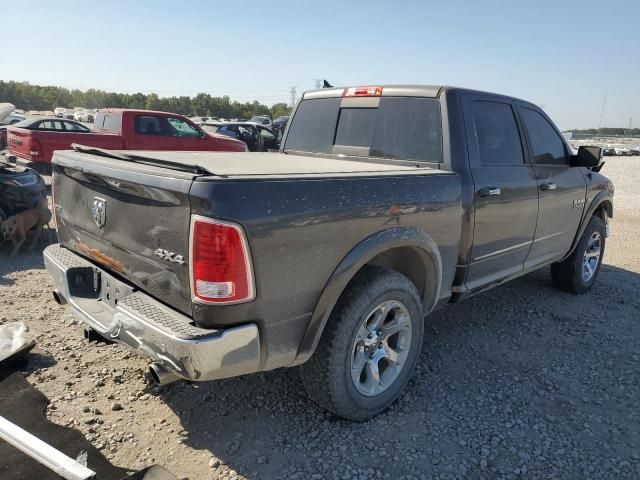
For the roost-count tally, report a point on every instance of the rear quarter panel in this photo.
(299, 230)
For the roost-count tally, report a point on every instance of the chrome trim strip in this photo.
(504, 250)
(547, 237)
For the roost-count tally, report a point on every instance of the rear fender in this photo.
(359, 256)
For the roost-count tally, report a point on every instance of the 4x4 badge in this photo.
(169, 256)
(99, 211)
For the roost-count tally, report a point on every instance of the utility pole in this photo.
(293, 93)
(604, 102)
(318, 82)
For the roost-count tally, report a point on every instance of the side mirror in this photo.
(590, 157)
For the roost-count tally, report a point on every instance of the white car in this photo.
(8, 115)
(77, 115)
(89, 115)
(59, 112)
(69, 113)
(261, 120)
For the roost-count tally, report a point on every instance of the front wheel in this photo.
(369, 347)
(578, 272)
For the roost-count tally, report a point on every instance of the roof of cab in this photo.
(136, 110)
(431, 91)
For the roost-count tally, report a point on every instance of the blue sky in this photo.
(562, 55)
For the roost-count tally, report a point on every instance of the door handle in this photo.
(548, 186)
(489, 191)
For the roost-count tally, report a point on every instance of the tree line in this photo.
(608, 131)
(42, 98)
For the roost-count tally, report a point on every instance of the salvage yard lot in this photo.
(523, 381)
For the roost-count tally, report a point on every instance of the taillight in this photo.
(362, 92)
(220, 262)
(34, 148)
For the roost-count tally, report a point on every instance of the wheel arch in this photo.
(407, 250)
(601, 205)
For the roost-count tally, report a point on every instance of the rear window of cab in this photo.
(401, 128)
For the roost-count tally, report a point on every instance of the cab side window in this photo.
(497, 135)
(148, 125)
(180, 128)
(546, 144)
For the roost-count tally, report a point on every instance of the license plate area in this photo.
(112, 290)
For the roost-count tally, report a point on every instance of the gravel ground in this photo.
(522, 382)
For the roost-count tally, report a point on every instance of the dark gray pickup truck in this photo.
(383, 204)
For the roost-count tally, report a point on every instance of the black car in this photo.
(257, 137)
(21, 188)
(279, 124)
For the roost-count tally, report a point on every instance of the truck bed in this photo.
(301, 216)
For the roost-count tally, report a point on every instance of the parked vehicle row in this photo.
(383, 204)
(117, 129)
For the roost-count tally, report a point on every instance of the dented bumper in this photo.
(120, 313)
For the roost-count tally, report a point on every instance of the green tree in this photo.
(280, 110)
(36, 97)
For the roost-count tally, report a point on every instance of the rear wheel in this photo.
(578, 272)
(369, 347)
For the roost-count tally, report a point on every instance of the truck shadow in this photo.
(526, 338)
(22, 261)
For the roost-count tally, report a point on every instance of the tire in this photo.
(573, 274)
(349, 344)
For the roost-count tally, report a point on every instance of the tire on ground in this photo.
(567, 275)
(327, 374)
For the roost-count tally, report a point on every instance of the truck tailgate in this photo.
(128, 218)
(38, 146)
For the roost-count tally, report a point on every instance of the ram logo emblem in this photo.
(99, 211)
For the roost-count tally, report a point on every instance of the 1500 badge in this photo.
(169, 256)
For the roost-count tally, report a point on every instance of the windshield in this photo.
(402, 128)
(260, 120)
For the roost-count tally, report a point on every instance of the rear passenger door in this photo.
(562, 188)
(506, 190)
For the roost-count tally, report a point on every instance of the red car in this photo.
(116, 129)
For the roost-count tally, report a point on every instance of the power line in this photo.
(602, 112)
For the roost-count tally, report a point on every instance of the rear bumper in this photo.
(147, 326)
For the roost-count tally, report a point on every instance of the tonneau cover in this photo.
(238, 164)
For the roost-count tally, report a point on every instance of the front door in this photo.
(151, 132)
(506, 190)
(562, 189)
